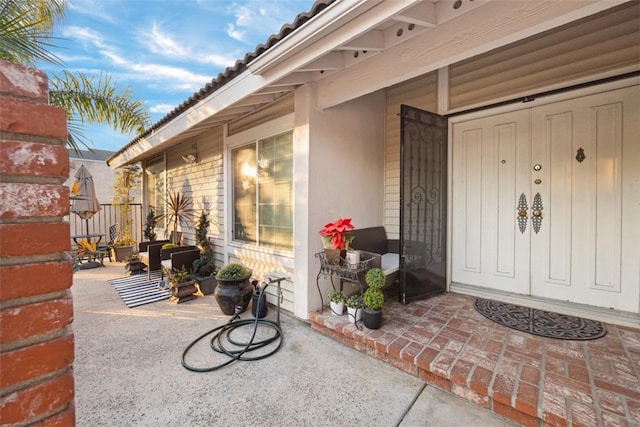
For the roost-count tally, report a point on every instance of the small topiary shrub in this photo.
(233, 271)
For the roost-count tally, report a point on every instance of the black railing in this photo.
(105, 218)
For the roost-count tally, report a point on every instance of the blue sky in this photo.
(164, 50)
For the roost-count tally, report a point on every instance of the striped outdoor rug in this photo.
(137, 290)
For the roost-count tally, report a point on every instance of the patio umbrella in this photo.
(85, 203)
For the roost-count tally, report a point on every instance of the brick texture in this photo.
(33, 279)
(36, 339)
(34, 239)
(24, 158)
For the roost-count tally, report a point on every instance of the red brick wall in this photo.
(36, 310)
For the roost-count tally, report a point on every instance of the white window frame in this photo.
(242, 139)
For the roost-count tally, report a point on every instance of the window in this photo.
(263, 192)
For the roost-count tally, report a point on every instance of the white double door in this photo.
(546, 200)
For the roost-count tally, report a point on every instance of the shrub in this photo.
(233, 271)
(375, 278)
(373, 298)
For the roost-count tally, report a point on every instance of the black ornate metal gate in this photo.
(423, 203)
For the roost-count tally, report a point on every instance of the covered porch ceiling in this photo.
(349, 48)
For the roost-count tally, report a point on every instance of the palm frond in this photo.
(97, 102)
(25, 30)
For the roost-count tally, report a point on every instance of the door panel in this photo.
(579, 253)
(489, 155)
(576, 165)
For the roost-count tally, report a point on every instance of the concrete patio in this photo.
(128, 373)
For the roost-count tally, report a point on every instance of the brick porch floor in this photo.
(531, 380)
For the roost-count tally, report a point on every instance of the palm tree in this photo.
(25, 38)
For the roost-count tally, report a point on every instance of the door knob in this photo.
(522, 212)
(537, 213)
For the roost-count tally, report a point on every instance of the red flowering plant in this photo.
(335, 235)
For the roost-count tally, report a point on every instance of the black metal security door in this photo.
(423, 203)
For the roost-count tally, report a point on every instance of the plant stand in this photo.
(182, 292)
(331, 270)
(135, 267)
(121, 253)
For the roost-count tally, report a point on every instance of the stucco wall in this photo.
(346, 157)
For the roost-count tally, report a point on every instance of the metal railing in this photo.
(105, 218)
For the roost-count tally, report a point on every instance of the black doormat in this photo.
(539, 322)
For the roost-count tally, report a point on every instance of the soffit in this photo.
(335, 36)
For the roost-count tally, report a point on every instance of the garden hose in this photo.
(223, 334)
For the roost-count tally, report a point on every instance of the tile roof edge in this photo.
(231, 72)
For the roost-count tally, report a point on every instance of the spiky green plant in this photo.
(178, 211)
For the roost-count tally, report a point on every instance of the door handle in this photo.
(522, 213)
(536, 218)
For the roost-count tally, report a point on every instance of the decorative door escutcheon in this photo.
(536, 218)
(522, 213)
(580, 155)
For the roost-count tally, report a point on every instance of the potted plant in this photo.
(182, 286)
(126, 184)
(234, 289)
(336, 302)
(354, 308)
(150, 225)
(373, 298)
(336, 238)
(204, 267)
(178, 211)
(134, 265)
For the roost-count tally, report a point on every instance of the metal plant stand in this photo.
(340, 269)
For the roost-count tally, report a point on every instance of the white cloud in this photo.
(161, 108)
(217, 60)
(252, 17)
(162, 43)
(86, 35)
(234, 33)
(92, 8)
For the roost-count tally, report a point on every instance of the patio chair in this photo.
(184, 259)
(149, 253)
(165, 256)
(114, 233)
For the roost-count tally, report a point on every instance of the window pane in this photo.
(263, 192)
(244, 194)
(275, 191)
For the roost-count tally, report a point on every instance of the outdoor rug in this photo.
(540, 322)
(137, 289)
